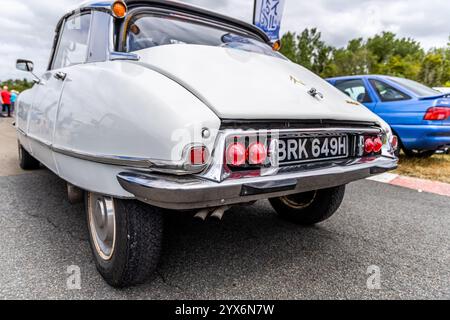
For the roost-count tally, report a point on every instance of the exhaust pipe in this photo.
(219, 212)
(203, 214)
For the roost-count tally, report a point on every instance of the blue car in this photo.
(418, 115)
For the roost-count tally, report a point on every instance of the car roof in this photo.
(359, 77)
(179, 6)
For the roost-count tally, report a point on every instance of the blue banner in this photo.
(268, 15)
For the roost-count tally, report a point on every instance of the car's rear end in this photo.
(423, 122)
(283, 129)
(425, 126)
(437, 116)
(280, 159)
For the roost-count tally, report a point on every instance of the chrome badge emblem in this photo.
(315, 94)
(312, 92)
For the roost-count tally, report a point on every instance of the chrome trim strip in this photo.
(172, 167)
(215, 171)
(111, 160)
(20, 131)
(115, 55)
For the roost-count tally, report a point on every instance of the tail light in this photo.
(437, 114)
(199, 155)
(372, 145)
(236, 154)
(257, 153)
(242, 153)
(394, 143)
(377, 145)
(368, 145)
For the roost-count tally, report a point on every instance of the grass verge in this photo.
(435, 168)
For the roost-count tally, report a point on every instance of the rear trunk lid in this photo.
(237, 84)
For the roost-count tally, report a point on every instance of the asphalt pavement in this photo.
(251, 254)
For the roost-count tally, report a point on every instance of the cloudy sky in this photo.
(27, 26)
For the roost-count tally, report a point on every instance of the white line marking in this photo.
(384, 178)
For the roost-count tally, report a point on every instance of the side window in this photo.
(388, 93)
(355, 89)
(73, 42)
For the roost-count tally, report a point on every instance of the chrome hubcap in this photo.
(102, 224)
(301, 200)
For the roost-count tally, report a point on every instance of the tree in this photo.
(18, 85)
(353, 59)
(289, 46)
(383, 53)
(308, 50)
(435, 70)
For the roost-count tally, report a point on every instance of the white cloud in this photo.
(27, 26)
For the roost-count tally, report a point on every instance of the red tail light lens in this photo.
(236, 154)
(394, 143)
(199, 155)
(372, 145)
(369, 145)
(377, 145)
(437, 114)
(257, 153)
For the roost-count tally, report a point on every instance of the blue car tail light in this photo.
(437, 114)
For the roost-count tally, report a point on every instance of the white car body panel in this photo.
(127, 118)
(243, 85)
(42, 118)
(443, 89)
(136, 113)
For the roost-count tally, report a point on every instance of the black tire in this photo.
(138, 242)
(26, 160)
(399, 148)
(309, 208)
(419, 154)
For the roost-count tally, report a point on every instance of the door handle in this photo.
(60, 75)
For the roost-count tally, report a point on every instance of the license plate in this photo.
(308, 149)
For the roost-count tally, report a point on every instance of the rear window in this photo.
(388, 93)
(148, 30)
(415, 87)
(355, 89)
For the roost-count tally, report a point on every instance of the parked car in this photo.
(154, 105)
(443, 89)
(418, 115)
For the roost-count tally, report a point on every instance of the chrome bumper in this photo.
(182, 193)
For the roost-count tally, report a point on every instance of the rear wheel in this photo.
(309, 208)
(125, 237)
(26, 160)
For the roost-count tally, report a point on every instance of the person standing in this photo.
(1, 104)
(14, 94)
(6, 97)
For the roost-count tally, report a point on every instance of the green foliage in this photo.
(382, 54)
(18, 85)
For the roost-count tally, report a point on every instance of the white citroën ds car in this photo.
(152, 106)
